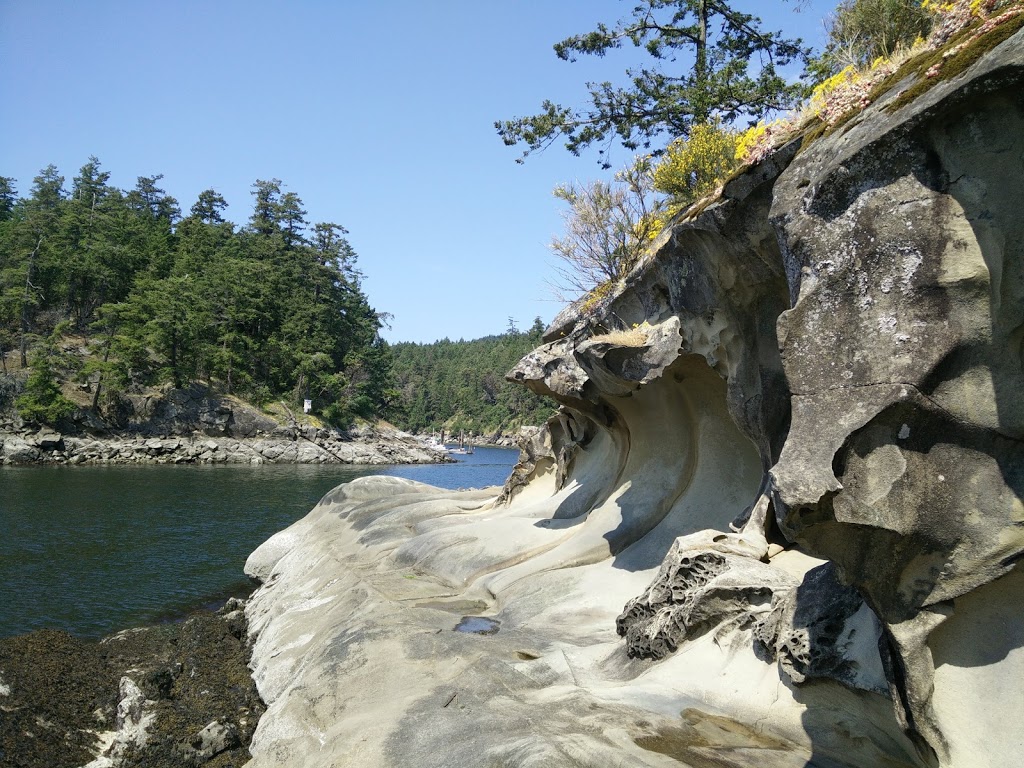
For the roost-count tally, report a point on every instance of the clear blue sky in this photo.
(377, 114)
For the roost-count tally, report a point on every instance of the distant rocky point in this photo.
(195, 426)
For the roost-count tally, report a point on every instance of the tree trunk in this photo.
(24, 304)
(228, 358)
(99, 378)
(175, 373)
(701, 113)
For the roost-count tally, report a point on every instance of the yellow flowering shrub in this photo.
(757, 142)
(749, 139)
(692, 167)
(648, 228)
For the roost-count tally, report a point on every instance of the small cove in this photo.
(95, 549)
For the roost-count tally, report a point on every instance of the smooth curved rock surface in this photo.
(787, 470)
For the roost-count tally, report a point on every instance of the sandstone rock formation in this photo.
(788, 470)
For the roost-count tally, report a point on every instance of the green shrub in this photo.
(42, 402)
(339, 414)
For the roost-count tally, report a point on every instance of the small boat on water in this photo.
(437, 443)
(463, 449)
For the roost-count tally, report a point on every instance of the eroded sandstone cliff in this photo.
(777, 521)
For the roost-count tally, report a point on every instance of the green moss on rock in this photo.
(955, 64)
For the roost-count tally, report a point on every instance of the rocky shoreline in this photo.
(166, 695)
(284, 445)
(196, 426)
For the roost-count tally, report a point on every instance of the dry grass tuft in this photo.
(634, 337)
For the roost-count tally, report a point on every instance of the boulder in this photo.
(209, 742)
(17, 450)
(248, 422)
(48, 440)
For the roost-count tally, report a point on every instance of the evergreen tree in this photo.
(264, 217)
(90, 185)
(47, 189)
(710, 60)
(291, 218)
(148, 198)
(29, 267)
(209, 206)
(8, 196)
(42, 401)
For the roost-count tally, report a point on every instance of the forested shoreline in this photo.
(271, 309)
(460, 385)
(107, 293)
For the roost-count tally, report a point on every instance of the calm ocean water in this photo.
(96, 549)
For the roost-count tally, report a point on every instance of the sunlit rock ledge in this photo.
(777, 521)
